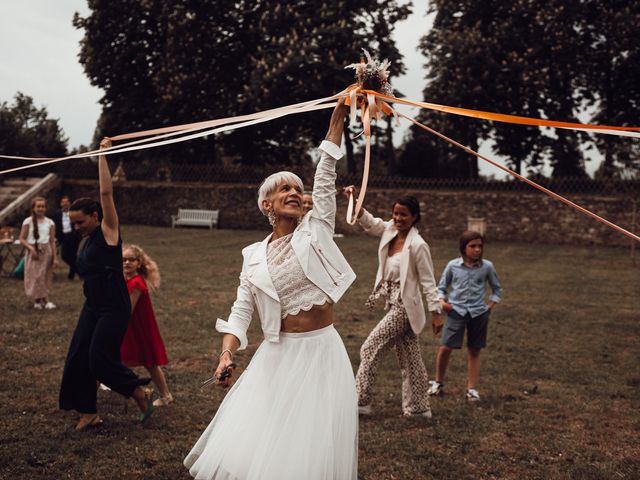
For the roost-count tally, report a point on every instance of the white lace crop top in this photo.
(295, 290)
(392, 268)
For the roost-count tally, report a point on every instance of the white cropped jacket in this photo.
(416, 268)
(312, 241)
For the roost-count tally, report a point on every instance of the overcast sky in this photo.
(39, 58)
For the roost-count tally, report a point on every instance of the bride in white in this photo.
(293, 413)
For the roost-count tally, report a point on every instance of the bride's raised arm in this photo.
(324, 184)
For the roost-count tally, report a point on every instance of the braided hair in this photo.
(34, 219)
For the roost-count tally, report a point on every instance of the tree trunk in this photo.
(517, 165)
(607, 169)
(473, 161)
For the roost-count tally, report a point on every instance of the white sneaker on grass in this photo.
(425, 414)
(364, 409)
(473, 395)
(163, 401)
(49, 306)
(435, 388)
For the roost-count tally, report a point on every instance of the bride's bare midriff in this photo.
(319, 316)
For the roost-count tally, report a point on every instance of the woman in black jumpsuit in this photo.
(94, 353)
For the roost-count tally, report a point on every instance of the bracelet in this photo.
(225, 351)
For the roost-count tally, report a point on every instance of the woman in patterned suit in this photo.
(404, 267)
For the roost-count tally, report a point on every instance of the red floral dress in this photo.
(142, 344)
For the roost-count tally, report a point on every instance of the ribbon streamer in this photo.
(514, 119)
(373, 106)
(132, 146)
(166, 132)
(373, 98)
(239, 118)
(544, 190)
(352, 91)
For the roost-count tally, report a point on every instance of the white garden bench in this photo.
(195, 218)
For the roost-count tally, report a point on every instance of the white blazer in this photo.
(313, 244)
(416, 268)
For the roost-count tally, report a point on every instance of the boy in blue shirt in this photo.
(467, 276)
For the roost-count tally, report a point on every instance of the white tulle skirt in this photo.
(292, 415)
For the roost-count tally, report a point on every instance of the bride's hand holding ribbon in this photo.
(351, 192)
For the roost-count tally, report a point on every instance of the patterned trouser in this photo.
(394, 331)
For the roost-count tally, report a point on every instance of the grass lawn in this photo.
(560, 379)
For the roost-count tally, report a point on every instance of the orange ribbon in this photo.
(373, 105)
(501, 117)
(544, 190)
(369, 107)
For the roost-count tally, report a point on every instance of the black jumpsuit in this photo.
(94, 352)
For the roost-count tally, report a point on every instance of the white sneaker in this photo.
(104, 387)
(38, 306)
(435, 388)
(425, 414)
(473, 395)
(49, 306)
(364, 409)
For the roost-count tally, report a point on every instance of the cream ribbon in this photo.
(544, 190)
(374, 105)
(157, 141)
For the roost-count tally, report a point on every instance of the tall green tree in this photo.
(458, 51)
(129, 51)
(163, 62)
(27, 130)
(513, 56)
(612, 81)
(384, 23)
(299, 52)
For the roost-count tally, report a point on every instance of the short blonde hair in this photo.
(270, 183)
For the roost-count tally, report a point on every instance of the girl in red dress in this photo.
(142, 345)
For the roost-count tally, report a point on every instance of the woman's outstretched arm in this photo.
(336, 124)
(110, 225)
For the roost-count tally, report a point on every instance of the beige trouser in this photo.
(394, 331)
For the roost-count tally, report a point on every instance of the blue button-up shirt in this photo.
(468, 286)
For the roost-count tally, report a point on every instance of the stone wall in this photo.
(511, 216)
(515, 216)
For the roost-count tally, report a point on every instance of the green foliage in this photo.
(27, 131)
(545, 59)
(162, 63)
(614, 85)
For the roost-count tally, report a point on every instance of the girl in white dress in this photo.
(38, 236)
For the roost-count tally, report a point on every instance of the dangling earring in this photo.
(273, 218)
